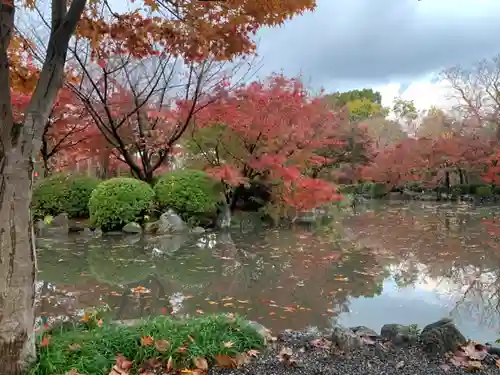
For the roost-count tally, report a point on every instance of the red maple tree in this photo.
(270, 131)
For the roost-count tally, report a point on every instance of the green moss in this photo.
(98, 347)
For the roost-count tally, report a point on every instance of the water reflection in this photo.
(397, 263)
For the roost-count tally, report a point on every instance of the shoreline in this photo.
(397, 349)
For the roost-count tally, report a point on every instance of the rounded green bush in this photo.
(62, 193)
(190, 193)
(119, 201)
(483, 191)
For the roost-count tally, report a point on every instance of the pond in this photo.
(387, 263)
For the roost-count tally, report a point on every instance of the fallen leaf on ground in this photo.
(225, 361)
(45, 341)
(74, 346)
(321, 343)
(73, 372)
(242, 359)
(400, 364)
(228, 344)
(162, 345)
(286, 357)
(475, 351)
(121, 367)
(497, 362)
(459, 359)
(147, 341)
(140, 290)
(253, 353)
(182, 349)
(200, 363)
(170, 364)
(474, 366)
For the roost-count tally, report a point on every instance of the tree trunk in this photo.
(17, 264)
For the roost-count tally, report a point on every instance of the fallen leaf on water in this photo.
(321, 343)
(200, 363)
(245, 301)
(225, 361)
(162, 345)
(147, 341)
(228, 304)
(199, 311)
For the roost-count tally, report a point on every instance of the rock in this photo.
(132, 228)
(224, 217)
(198, 230)
(60, 220)
(97, 232)
(366, 332)
(263, 331)
(170, 222)
(345, 339)
(151, 227)
(399, 334)
(441, 337)
(77, 226)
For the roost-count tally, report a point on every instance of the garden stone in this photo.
(441, 337)
(170, 222)
(345, 339)
(197, 230)
(263, 331)
(366, 332)
(132, 228)
(76, 226)
(399, 334)
(151, 227)
(60, 220)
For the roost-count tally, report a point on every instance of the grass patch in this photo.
(91, 349)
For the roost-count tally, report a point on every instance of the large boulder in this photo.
(441, 337)
(132, 227)
(399, 334)
(170, 222)
(345, 339)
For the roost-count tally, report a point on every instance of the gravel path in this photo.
(408, 361)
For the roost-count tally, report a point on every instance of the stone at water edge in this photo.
(441, 337)
(345, 339)
(132, 228)
(151, 227)
(170, 222)
(197, 230)
(399, 334)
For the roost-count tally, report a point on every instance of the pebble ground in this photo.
(314, 361)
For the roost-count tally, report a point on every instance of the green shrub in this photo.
(483, 191)
(118, 201)
(63, 193)
(416, 187)
(496, 190)
(190, 193)
(374, 190)
(460, 189)
(473, 187)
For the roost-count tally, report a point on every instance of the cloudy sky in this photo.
(391, 45)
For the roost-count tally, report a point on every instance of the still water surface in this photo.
(388, 263)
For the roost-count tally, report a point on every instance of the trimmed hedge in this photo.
(62, 193)
(190, 193)
(119, 201)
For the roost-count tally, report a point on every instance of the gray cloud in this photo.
(360, 42)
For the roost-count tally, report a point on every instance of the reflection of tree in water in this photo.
(443, 243)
